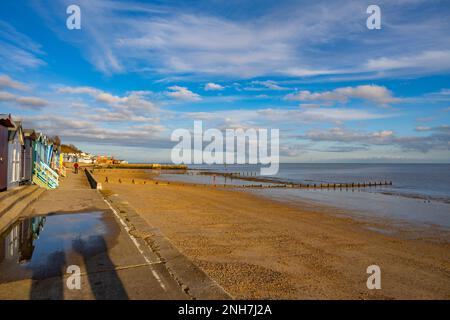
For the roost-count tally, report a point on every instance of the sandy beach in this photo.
(257, 248)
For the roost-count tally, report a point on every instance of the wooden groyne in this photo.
(153, 166)
(271, 183)
(352, 185)
(254, 181)
(335, 186)
(228, 174)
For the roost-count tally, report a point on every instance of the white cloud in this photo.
(80, 90)
(210, 86)
(85, 129)
(282, 39)
(7, 82)
(374, 93)
(6, 96)
(127, 106)
(281, 118)
(436, 141)
(339, 114)
(383, 134)
(23, 101)
(182, 93)
(109, 98)
(310, 105)
(169, 40)
(31, 101)
(437, 60)
(422, 128)
(300, 72)
(265, 85)
(18, 50)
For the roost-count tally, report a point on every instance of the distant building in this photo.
(81, 157)
(104, 160)
(108, 160)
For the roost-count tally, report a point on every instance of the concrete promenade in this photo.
(84, 229)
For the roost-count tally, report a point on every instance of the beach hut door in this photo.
(3, 158)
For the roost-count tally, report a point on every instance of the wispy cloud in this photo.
(438, 140)
(374, 93)
(23, 101)
(284, 39)
(7, 82)
(182, 93)
(88, 130)
(282, 117)
(18, 49)
(210, 86)
(428, 61)
(134, 103)
(258, 85)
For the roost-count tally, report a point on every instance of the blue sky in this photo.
(138, 70)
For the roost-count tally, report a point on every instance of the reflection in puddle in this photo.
(38, 247)
(17, 244)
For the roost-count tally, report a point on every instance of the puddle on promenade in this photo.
(43, 246)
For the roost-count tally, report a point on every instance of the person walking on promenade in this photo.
(75, 166)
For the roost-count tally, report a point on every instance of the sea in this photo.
(419, 194)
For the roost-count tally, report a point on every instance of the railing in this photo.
(62, 171)
(44, 176)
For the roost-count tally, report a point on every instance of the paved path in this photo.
(80, 229)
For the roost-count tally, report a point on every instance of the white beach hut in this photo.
(15, 155)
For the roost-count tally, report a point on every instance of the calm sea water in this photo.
(422, 180)
(420, 192)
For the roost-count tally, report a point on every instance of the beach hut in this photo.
(29, 137)
(45, 155)
(56, 151)
(16, 155)
(6, 122)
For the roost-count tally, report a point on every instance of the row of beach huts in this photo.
(27, 156)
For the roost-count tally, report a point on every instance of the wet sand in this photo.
(258, 248)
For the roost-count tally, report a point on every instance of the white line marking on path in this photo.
(136, 243)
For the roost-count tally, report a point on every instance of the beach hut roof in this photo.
(41, 137)
(6, 120)
(29, 133)
(16, 130)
